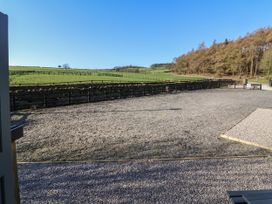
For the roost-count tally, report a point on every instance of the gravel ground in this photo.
(201, 181)
(256, 128)
(162, 126)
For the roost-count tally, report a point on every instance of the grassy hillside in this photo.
(20, 75)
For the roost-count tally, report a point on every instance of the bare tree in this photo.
(66, 66)
(266, 63)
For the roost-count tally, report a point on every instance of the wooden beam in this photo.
(245, 142)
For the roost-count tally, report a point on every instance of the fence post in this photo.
(13, 102)
(69, 98)
(89, 95)
(44, 100)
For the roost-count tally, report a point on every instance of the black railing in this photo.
(59, 95)
(17, 130)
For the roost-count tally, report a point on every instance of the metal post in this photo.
(7, 177)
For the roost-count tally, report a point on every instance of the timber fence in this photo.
(28, 97)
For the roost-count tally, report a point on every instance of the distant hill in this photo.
(166, 67)
(161, 66)
(130, 68)
(250, 55)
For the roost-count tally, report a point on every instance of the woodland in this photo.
(250, 56)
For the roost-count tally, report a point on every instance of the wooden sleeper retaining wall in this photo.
(27, 97)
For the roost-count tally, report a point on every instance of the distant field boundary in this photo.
(90, 82)
(29, 97)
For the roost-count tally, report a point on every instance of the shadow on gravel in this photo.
(63, 183)
(163, 182)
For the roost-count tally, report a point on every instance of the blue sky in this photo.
(108, 33)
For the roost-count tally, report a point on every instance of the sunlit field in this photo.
(46, 76)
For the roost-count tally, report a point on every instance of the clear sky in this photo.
(107, 33)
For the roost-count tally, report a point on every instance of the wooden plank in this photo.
(246, 142)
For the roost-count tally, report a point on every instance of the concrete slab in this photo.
(256, 130)
(266, 87)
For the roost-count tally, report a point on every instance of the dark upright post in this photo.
(7, 177)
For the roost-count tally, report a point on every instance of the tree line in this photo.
(249, 56)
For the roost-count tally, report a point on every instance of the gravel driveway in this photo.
(174, 126)
(201, 181)
(162, 126)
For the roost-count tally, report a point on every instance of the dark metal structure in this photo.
(7, 178)
(251, 197)
(9, 189)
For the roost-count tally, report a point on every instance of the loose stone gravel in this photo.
(162, 126)
(201, 182)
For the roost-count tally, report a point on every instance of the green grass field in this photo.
(20, 75)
